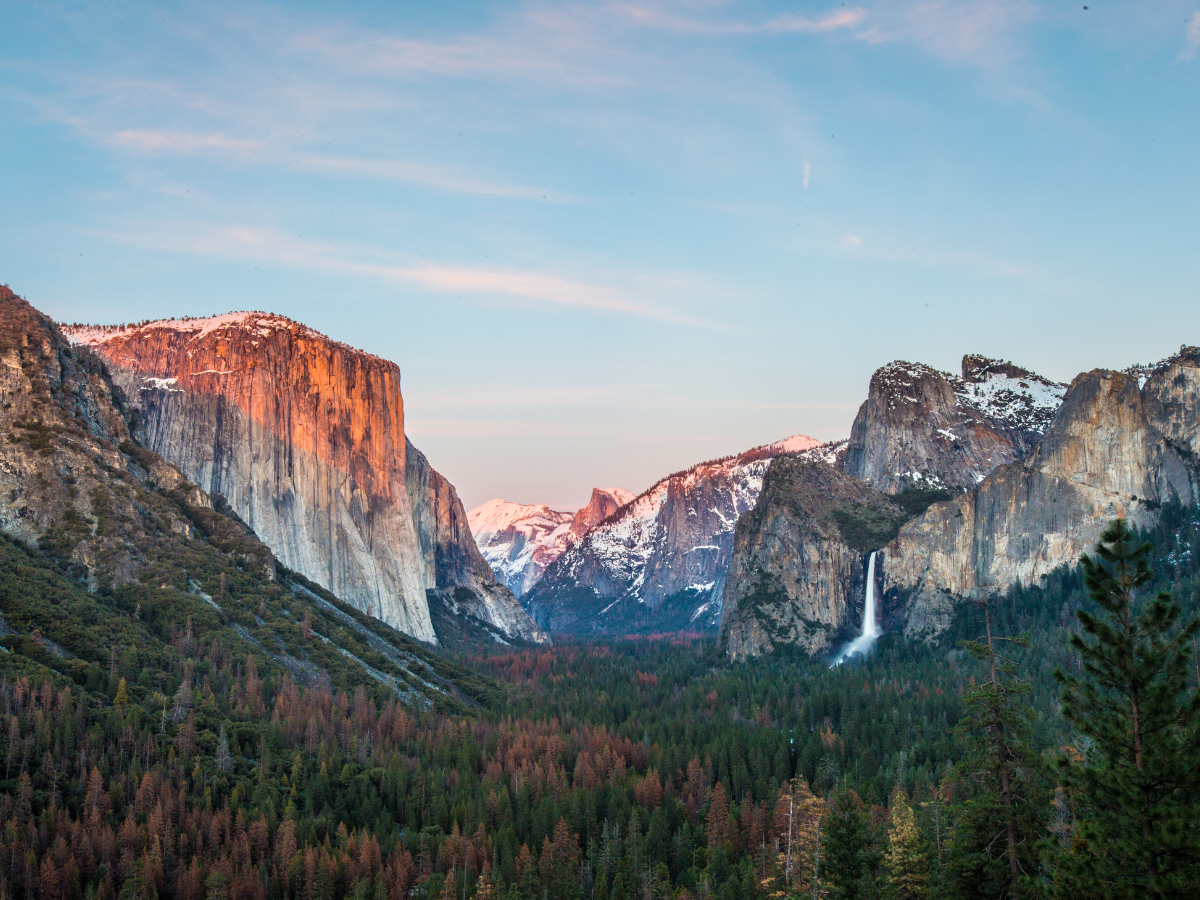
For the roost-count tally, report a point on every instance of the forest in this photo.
(999, 763)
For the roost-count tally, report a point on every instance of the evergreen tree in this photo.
(1139, 782)
(851, 860)
(995, 840)
(907, 867)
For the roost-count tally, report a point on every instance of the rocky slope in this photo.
(1114, 449)
(661, 560)
(304, 438)
(519, 541)
(109, 553)
(799, 564)
(921, 427)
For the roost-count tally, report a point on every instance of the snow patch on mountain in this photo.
(520, 540)
(673, 540)
(260, 324)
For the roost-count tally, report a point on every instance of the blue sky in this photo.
(606, 240)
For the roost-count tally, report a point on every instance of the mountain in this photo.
(660, 561)
(113, 565)
(1112, 444)
(925, 428)
(303, 438)
(1121, 445)
(519, 541)
(799, 563)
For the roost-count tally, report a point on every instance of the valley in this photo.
(253, 646)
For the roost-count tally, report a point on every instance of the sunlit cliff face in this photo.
(304, 437)
(343, 406)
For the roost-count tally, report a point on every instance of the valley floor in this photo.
(592, 770)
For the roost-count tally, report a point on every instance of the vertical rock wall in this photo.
(304, 437)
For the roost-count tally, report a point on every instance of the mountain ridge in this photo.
(304, 437)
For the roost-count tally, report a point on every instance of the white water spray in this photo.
(870, 630)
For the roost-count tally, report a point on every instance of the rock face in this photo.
(660, 561)
(1112, 450)
(519, 541)
(71, 482)
(304, 438)
(799, 565)
(924, 428)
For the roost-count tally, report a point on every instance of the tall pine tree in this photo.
(907, 867)
(1138, 785)
(852, 858)
(995, 839)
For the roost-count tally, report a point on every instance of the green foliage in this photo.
(1138, 777)
(853, 857)
(868, 528)
(905, 861)
(997, 836)
(914, 499)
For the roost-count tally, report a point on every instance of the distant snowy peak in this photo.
(603, 503)
(497, 516)
(520, 540)
(671, 541)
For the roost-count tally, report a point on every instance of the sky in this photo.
(604, 241)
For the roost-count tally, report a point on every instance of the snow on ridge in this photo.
(99, 334)
(1000, 391)
(798, 444)
(1027, 401)
(1144, 372)
(261, 324)
(497, 515)
(626, 544)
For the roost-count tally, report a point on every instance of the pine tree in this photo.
(995, 840)
(907, 867)
(1139, 783)
(122, 699)
(851, 859)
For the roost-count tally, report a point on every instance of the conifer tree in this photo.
(851, 859)
(995, 840)
(907, 867)
(1139, 783)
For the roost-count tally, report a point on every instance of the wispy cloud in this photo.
(1191, 37)
(258, 152)
(182, 142)
(420, 173)
(258, 244)
(980, 32)
(783, 24)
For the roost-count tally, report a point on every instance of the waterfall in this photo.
(870, 629)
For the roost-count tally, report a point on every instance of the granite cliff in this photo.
(304, 439)
(799, 565)
(520, 541)
(1119, 446)
(661, 560)
(921, 427)
(110, 553)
